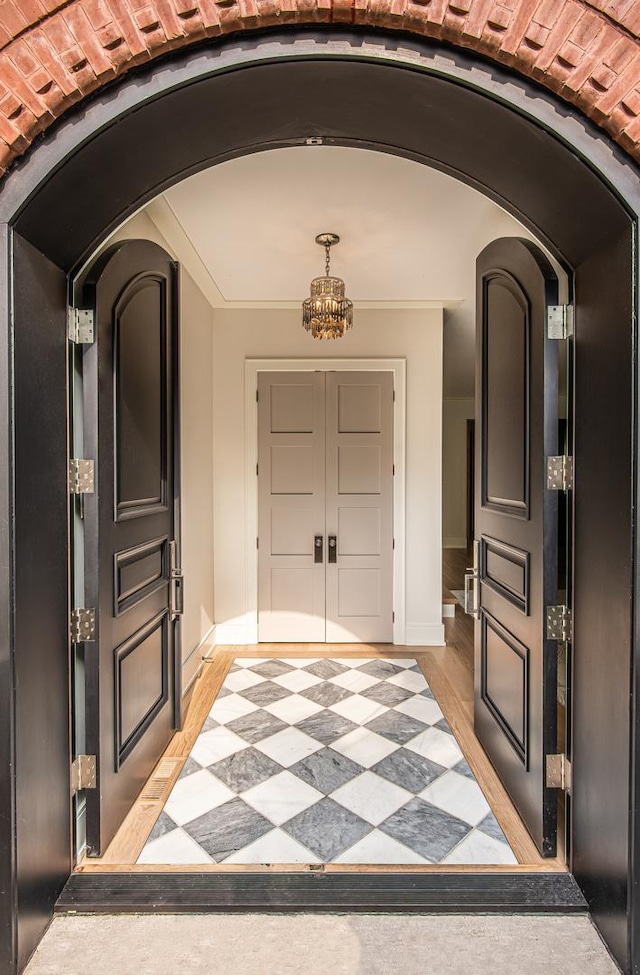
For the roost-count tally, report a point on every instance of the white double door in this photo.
(325, 508)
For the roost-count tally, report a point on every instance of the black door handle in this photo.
(333, 548)
(318, 555)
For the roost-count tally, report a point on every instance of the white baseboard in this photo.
(236, 634)
(448, 610)
(192, 666)
(424, 635)
(454, 543)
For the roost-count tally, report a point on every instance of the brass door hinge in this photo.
(83, 773)
(558, 773)
(81, 476)
(82, 625)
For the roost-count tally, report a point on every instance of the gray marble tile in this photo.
(491, 827)
(427, 692)
(244, 769)
(429, 831)
(256, 726)
(385, 693)
(326, 726)
(408, 770)
(189, 767)
(326, 693)
(326, 668)
(326, 770)
(327, 829)
(463, 768)
(271, 668)
(223, 692)
(164, 824)
(209, 724)
(380, 668)
(396, 726)
(444, 725)
(227, 829)
(265, 693)
(417, 668)
(233, 668)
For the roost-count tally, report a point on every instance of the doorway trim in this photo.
(252, 367)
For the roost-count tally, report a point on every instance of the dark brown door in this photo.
(516, 528)
(131, 525)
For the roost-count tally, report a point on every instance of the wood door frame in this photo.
(376, 89)
(399, 369)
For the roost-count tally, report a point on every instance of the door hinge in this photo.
(559, 624)
(82, 625)
(81, 476)
(558, 773)
(81, 326)
(83, 773)
(559, 321)
(560, 473)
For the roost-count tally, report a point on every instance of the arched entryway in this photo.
(558, 177)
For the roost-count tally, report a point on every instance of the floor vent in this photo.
(159, 785)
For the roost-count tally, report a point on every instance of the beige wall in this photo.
(413, 335)
(456, 412)
(196, 376)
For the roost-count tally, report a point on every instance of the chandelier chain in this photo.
(327, 258)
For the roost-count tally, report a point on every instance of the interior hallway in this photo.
(448, 673)
(254, 944)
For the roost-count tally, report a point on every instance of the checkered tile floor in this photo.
(326, 761)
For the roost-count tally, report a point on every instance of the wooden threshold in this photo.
(322, 891)
(448, 676)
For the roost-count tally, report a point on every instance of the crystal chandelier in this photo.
(326, 313)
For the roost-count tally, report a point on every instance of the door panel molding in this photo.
(130, 727)
(505, 569)
(497, 284)
(518, 737)
(249, 629)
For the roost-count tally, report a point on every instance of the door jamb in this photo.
(399, 368)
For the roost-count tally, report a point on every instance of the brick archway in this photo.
(56, 52)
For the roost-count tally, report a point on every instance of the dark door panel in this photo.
(516, 526)
(131, 524)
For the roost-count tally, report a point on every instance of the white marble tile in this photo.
(421, 708)
(436, 745)
(249, 661)
(216, 744)
(352, 661)
(458, 795)
(293, 709)
(404, 662)
(410, 680)
(364, 747)
(239, 680)
(301, 662)
(376, 847)
(226, 709)
(477, 847)
(371, 797)
(174, 847)
(281, 797)
(289, 746)
(354, 680)
(274, 847)
(297, 680)
(194, 795)
(359, 709)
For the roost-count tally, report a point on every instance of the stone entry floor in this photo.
(331, 760)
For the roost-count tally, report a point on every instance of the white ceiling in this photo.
(245, 231)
